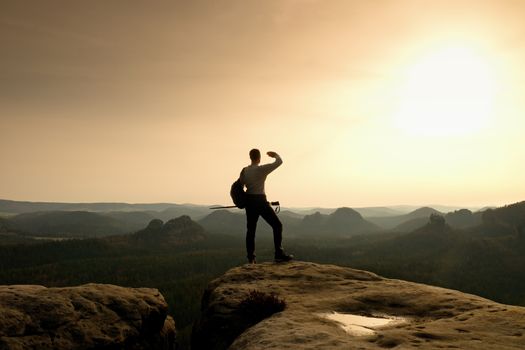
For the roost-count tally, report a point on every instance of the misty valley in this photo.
(179, 249)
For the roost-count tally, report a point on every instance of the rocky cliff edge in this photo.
(423, 317)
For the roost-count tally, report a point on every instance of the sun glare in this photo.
(447, 93)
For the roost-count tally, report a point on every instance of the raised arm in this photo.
(268, 168)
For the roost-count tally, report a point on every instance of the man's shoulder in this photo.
(248, 169)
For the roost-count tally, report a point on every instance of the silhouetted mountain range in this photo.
(343, 222)
(165, 210)
(105, 219)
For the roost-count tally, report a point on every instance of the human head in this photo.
(255, 155)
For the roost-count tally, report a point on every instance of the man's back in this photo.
(254, 175)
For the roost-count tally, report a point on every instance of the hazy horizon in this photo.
(399, 207)
(369, 103)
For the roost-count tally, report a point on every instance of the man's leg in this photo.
(252, 215)
(273, 220)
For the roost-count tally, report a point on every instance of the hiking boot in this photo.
(283, 257)
(252, 261)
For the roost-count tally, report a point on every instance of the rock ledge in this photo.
(90, 316)
(436, 317)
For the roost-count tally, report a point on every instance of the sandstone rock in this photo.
(434, 317)
(91, 316)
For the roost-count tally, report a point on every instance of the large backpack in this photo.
(238, 195)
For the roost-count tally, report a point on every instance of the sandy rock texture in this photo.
(91, 316)
(436, 318)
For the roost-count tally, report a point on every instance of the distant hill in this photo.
(423, 211)
(405, 209)
(504, 221)
(224, 222)
(344, 222)
(67, 224)
(195, 212)
(512, 214)
(132, 220)
(391, 222)
(411, 224)
(423, 242)
(378, 211)
(291, 214)
(174, 232)
(364, 211)
(291, 222)
(461, 219)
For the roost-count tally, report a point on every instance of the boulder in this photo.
(91, 316)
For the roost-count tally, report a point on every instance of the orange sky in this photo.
(368, 102)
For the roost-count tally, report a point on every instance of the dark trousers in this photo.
(256, 206)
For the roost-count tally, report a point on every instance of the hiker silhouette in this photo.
(253, 177)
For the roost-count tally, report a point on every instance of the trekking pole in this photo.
(277, 208)
(224, 207)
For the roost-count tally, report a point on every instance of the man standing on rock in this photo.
(253, 177)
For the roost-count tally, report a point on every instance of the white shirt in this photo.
(253, 176)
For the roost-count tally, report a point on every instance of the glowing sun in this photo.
(447, 93)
